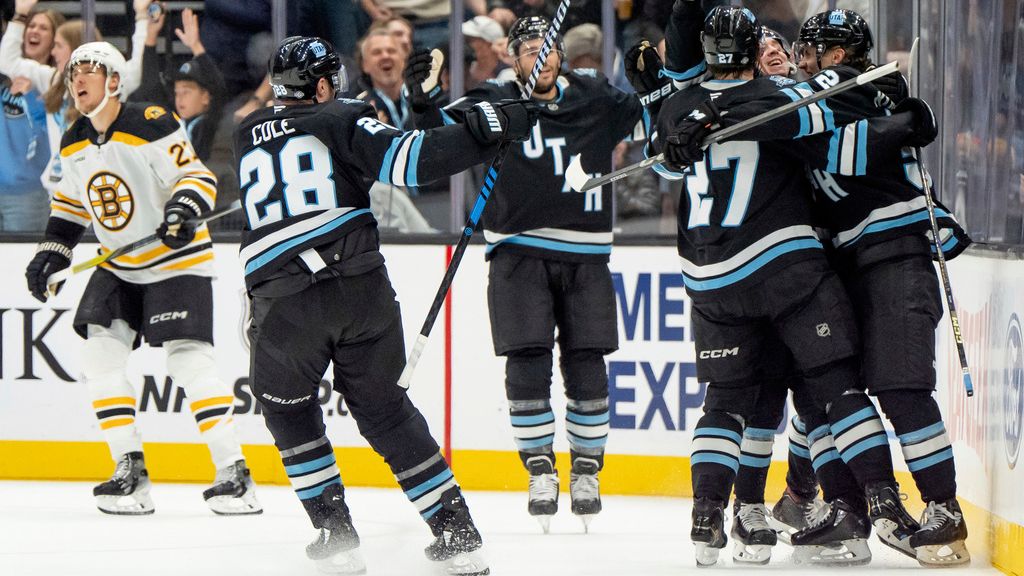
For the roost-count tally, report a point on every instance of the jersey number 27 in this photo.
(296, 180)
(720, 156)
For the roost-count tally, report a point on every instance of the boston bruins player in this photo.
(321, 293)
(548, 250)
(129, 169)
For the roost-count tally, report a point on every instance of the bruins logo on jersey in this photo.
(154, 112)
(111, 200)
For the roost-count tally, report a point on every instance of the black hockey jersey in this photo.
(305, 172)
(532, 209)
(860, 206)
(747, 209)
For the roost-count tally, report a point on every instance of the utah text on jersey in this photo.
(119, 182)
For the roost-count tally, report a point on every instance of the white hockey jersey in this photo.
(120, 181)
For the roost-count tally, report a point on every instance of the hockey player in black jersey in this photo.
(879, 222)
(548, 250)
(321, 295)
(760, 284)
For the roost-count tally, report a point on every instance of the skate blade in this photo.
(854, 552)
(884, 529)
(586, 519)
(344, 562)
(782, 530)
(466, 564)
(751, 553)
(705, 554)
(545, 522)
(941, 555)
(137, 504)
(232, 506)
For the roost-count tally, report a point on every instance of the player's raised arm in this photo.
(685, 62)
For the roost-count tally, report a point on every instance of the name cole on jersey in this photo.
(119, 181)
(532, 210)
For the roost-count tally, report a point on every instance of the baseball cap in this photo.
(583, 40)
(201, 73)
(483, 27)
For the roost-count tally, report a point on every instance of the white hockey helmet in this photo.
(99, 54)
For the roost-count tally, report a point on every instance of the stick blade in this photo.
(575, 175)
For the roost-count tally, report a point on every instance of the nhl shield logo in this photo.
(111, 200)
(823, 330)
(1013, 391)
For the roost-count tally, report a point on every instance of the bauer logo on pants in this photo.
(111, 200)
(1013, 391)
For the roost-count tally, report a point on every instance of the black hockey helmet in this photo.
(844, 28)
(529, 28)
(767, 34)
(299, 63)
(730, 38)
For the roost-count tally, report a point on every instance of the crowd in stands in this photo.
(207, 62)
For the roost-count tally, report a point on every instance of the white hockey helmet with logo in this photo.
(98, 54)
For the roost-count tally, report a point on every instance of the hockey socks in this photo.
(860, 438)
(755, 458)
(834, 475)
(916, 419)
(800, 478)
(586, 425)
(311, 468)
(533, 427)
(715, 455)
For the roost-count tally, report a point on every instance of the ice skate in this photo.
(127, 491)
(543, 490)
(893, 525)
(839, 539)
(233, 492)
(940, 541)
(584, 490)
(457, 542)
(708, 530)
(793, 513)
(336, 549)
(753, 538)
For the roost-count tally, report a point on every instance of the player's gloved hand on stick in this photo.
(684, 145)
(894, 86)
(176, 231)
(423, 87)
(50, 257)
(925, 128)
(507, 120)
(644, 71)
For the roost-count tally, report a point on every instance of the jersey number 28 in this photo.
(720, 156)
(305, 173)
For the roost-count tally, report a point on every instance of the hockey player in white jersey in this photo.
(129, 169)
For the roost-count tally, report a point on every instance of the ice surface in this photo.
(53, 528)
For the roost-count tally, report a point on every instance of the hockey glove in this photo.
(176, 231)
(50, 257)
(894, 86)
(644, 70)
(504, 121)
(923, 124)
(421, 80)
(683, 146)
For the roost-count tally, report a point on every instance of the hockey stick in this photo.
(58, 277)
(954, 319)
(580, 182)
(478, 207)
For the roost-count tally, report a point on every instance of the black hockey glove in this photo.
(894, 86)
(644, 71)
(422, 87)
(176, 231)
(50, 257)
(925, 129)
(504, 121)
(683, 146)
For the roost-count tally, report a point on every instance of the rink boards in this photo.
(48, 431)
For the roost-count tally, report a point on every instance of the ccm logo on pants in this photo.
(168, 316)
(705, 354)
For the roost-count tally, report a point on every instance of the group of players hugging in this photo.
(804, 241)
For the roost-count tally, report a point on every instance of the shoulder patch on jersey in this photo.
(586, 72)
(154, 112)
